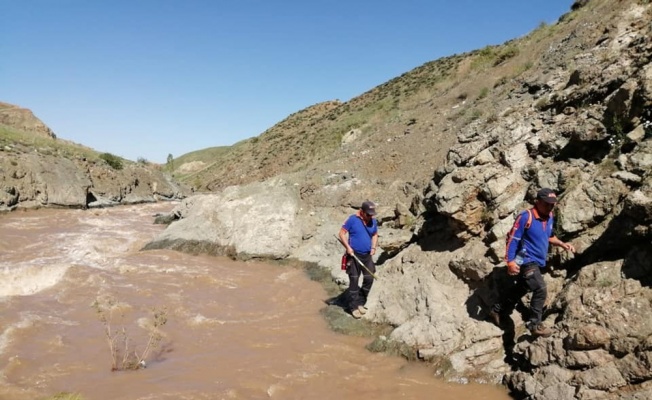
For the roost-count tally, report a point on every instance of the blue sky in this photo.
(148, 78)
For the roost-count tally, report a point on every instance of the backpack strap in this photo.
(529, 219)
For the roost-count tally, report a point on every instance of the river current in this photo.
(233, 330)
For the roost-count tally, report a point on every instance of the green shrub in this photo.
(505, 54)
(65, 396)
(114, 161)
(483, 57)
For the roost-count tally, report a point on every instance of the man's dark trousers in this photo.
(357, 295)
(529, 279)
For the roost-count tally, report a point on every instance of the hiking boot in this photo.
(362, 309)
(356, 314)
(540, 330)
(494, 317)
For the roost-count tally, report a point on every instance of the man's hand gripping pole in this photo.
(356, 258)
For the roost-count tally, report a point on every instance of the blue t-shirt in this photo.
(535, 240)
(360, 234)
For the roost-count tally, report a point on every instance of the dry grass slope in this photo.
(407, 124)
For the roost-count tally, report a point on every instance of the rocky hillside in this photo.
(24, 120)
(37, 169)
(451, 151)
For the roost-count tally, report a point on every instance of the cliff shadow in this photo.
(487, 292)
(621, 240)
(439, 233)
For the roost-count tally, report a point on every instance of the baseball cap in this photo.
(547, 195)
(369, 207)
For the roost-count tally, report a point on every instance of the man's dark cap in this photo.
(369, 208)
(547, 195)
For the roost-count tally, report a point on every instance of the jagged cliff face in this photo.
(39, 170)
(567, 107)
(582, 126)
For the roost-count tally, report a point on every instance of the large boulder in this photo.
(259, 220)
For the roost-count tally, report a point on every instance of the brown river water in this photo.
(234, 330)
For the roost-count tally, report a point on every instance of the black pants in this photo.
(528, 280)
(358, 295)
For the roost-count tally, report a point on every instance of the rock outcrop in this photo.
(39, 170)
(24, 120)
(31, 180)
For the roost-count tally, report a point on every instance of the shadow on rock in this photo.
(621, 240)
(439, 234)
(478, 306)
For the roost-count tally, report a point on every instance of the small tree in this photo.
(170, 162)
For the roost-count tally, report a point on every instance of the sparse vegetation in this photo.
(17, 141)
(616, 127)
(123, 357)
(503, 80)
(65, 396)
(543, 31)
(608, 166)
(170, 163)
(647, 122)
(543, 103)
(505, 54)
(383, 345)
(523, 67)
(114, 162)
(492, 56)
(475, 114)
(484, 57)
(487, 216)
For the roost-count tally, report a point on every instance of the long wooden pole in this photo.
(356, 258)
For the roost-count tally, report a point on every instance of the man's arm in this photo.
(515, 236)
(345, 240)
(374, 243)
(566, 246)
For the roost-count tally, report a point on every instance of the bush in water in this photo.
(122, 358)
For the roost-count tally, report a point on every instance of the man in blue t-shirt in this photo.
(526, 253)
(362, 231)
